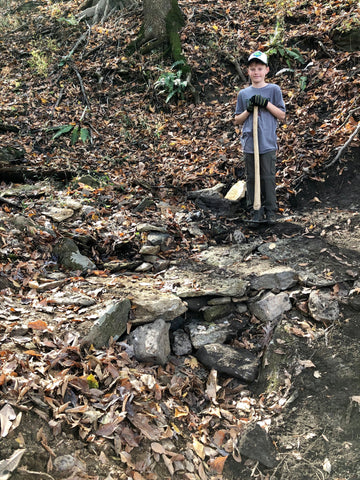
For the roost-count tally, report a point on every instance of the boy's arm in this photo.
(275, 111)
(241, 117)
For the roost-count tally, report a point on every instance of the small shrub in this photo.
(172, 83)
(39, 62)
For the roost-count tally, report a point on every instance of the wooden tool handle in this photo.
(257, 188)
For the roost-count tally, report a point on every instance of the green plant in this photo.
(39, 62)
(170, 82)
(75, 131)
(302, 82)
(276, 47)
(71, 20)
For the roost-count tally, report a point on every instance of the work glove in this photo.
(259, 101)
(251, 105)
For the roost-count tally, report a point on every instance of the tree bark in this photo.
(155, 13)
(162, 22)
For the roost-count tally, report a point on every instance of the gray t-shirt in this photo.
(267, 123)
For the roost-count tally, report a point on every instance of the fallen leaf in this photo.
(217, 464)
(10, 464)
(306, 363)
(158, 448)
(7, 415)
(199, 448)
(38, 325)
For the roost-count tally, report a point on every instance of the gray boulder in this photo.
(238, 363)
(151, 342)
(111, 324)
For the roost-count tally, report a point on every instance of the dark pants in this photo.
(267, 180)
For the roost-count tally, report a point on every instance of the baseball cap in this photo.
(260, 56)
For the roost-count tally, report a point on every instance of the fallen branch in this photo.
(236, 64)
(81, 85)
(8, 128)
(340, 152)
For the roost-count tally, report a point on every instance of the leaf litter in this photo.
(180, 415)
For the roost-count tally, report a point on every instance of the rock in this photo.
(151, 342)
(237, 191)
(144, 204)
(89, 180)
(148, 227)
(204, 333)
(181, 344)
(238, 363)
(215, 190)
(196, 304)
(65, 298)
(144, 267)
(158, 238)
(323, 306)
(59, 214)
(215, 312)
(71, 258)
(150, 306)
(200, 285)
(278, 278)
(111, 324)
(149, 250)
(64, 463)
(270, 306)
(256, 444)
(72, 203)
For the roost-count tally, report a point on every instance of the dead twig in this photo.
(32, 472)
(236, 64)
(344, 147)
(81, 85)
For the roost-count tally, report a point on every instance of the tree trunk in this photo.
(155, 13)
(162, 23)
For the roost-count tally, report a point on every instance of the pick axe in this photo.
(257, 188)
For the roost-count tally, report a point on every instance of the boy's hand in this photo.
(259, 101)
(251, 105)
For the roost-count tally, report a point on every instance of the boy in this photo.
(268, 97)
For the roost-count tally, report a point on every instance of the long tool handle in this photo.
(257, 188)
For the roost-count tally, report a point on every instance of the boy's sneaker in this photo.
(270, 217)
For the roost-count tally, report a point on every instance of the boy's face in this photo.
(257, 72)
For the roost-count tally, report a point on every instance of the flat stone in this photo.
(215, 312)
(256, 444)
(238, 363)
(149, 250)
(278, 278)
(204, 333)
(150, 306)
(111, 324)
(59, 214)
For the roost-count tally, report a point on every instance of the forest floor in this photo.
(137, 146)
